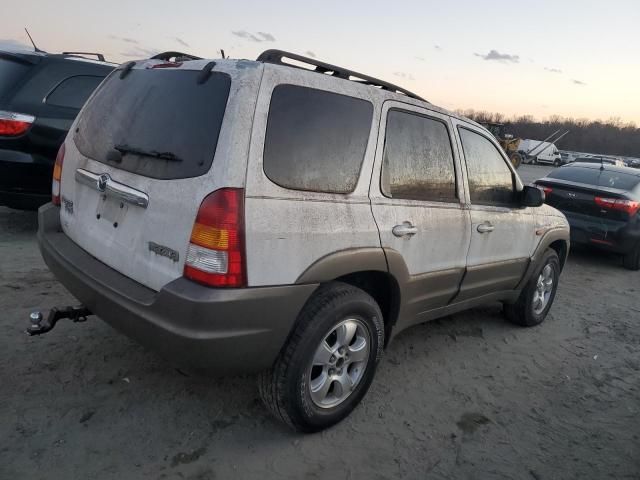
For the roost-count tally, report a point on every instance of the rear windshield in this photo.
(597, 177)
(10, 72)
(157, 123)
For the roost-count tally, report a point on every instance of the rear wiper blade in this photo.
(123, 149)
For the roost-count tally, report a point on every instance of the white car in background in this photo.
(536, 151)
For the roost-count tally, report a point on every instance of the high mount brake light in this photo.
(216, 255)
(628, 206)
(57, 177)
(13, 124)
(167, 65)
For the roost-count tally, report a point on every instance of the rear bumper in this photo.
(609, 235)
(25, 179)
(223, 331)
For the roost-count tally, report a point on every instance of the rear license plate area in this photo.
(111, 210)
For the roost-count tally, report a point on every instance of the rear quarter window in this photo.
(73, 91)
(315, 140)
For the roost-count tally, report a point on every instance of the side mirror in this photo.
(532, 196)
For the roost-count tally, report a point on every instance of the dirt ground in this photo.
(465, 397)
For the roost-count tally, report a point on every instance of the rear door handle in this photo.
(486, 227)
(404, 230)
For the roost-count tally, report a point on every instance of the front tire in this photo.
(631, 260)
(328, 363)
(536, 298)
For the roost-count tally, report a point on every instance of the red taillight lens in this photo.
(13, 124)
(628, 206)
(215, 256)
(57, 177)
(546, 190)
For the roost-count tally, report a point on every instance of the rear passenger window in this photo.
(418, 160)
(315, 140)
(74, 91)
(490, 179)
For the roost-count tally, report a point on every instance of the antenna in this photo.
(33, 43)
(222, 53)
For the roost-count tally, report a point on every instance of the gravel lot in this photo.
(468, 396)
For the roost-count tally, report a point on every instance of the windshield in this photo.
(150, 119)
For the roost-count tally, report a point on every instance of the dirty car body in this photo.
(318, 198)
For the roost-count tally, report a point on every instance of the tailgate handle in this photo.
(105, 184)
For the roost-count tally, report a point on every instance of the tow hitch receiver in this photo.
(39, 325)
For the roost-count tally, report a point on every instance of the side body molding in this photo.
(551, 236)
(343, 263)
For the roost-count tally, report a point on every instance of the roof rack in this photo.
(98, 55)
(178, 56)
(276, 57)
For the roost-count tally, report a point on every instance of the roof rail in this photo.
(276, 57)
(166, 56)
(99, 55)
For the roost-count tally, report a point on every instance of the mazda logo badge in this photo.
(102, 182)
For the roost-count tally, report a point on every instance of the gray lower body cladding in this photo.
(222, 331)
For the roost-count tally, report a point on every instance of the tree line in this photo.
(610, 137)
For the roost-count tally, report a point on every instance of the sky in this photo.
(571, 58)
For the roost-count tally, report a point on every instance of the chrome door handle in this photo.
(405, 229)
(486, 227)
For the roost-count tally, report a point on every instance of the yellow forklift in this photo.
(508, 143)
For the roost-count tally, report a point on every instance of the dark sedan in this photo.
(601, 203)
(40, 96)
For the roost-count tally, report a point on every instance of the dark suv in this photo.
(40, 96)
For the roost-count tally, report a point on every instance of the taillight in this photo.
(13, 124)
(57, 177)
(215, 256)
(628, 206)
(546, 190)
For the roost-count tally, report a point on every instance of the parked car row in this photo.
(255, 216)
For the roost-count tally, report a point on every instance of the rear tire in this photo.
(631, 260)
(326, 352)
(536, 298)
(516, 160)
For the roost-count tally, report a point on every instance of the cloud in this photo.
(11, 44)
(553, 70)
(125, 39)
(438, 47)
(578, 82)
(258, 37)
(421, 59)
(267, 37)
(309, 53)
(403, 75)
(140, 52)
(499, 57)
(182, 42)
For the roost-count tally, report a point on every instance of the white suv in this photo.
(256, 216)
